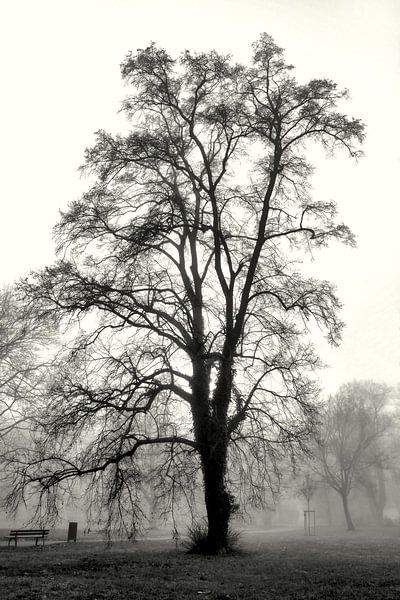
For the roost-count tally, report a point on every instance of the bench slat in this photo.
(32, 531)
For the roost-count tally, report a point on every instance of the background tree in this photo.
(380, 465)
(22, 337)
(371, 478)
(181, 265)
(354, 423)
(24, 363)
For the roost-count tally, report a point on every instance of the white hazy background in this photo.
(60, 82)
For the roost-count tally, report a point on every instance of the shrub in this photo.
(197, 539)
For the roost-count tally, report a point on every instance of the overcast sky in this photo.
(60, 82)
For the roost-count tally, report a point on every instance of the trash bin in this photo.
(72, 531)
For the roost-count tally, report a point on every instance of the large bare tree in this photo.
(181, 265)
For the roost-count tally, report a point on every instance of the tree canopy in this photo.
(181, 268)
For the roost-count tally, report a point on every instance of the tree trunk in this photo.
(376, 494)
(381, 494)
(328, 506)
(373, 501)
(350, 524)
(210, 427)
(218, 501)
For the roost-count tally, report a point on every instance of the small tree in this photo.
(354, 421)
(308, 489)
(181, 265)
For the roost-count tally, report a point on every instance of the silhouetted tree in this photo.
(354, 422)
(181, 266)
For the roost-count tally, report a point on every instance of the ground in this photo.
(269, 566)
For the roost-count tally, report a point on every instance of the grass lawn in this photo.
(269, 566)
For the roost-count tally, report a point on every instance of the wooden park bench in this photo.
(27, 534)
